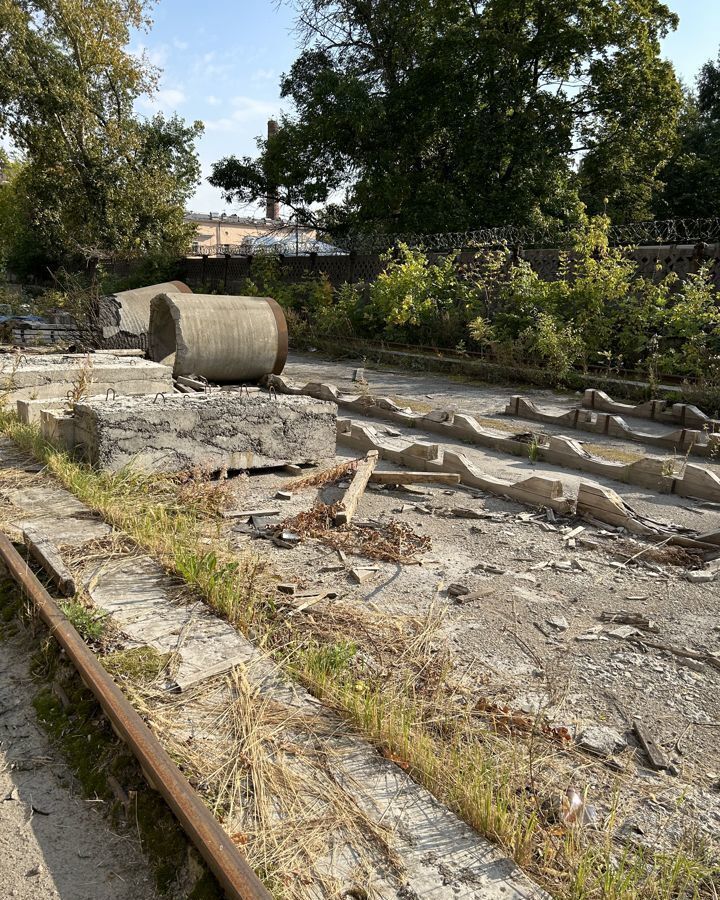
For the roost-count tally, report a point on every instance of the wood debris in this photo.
(345, 509)
(652, 749)
(402, 477)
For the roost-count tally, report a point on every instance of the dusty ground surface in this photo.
(53, 843)
(532, 634)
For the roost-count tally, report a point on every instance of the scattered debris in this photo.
(286, 588)
(325, 477)
(249, 513)
(457, 590)
(574, 810)
(403, 477)
(701, 577)
(286, 539)
(623, 617)
(387, 541)
(461, 512)
(283, 495)
(508, 721)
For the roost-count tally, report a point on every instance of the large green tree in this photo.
(692, 177)
(100, 182)
(435, 115)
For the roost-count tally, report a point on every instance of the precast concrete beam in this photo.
(53, 376)
(222, 338)
(198, 431)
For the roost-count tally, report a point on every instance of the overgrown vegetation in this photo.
(598, 311)
(394, 685)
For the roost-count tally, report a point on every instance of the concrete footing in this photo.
(209, 432)
(53, 376)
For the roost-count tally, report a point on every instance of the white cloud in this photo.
(263, 75)
(247, 107)
(156, 56)
(180, 45)
(165, 100)
(212, 100)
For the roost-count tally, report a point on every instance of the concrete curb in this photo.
(694, 481)
(684, 414)
(686, 440)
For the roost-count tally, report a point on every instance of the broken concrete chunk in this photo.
(361, 574)
(601, 740)
(559, 622)
(701, 577)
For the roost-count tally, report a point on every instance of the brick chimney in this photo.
(272, 208)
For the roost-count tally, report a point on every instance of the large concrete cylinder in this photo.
(223, 338)
(124, 318)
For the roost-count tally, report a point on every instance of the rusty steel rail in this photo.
(214, 844)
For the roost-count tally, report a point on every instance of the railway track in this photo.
(215, 846)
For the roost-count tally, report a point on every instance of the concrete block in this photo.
(210, 432)
(29, 411)
(58, 427)
(52, 376)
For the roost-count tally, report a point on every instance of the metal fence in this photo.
(647, 234)
(664, 232)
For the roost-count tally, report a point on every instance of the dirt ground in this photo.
(531, 632)
(53, 843)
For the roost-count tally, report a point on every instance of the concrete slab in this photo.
(209, 432)
(53, 375)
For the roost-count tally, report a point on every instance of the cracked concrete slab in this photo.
(209, 431)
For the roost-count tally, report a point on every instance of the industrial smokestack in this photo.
(272, 208)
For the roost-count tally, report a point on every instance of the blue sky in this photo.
(222, 63)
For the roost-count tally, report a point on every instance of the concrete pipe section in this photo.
(222, 338)
(125, 317)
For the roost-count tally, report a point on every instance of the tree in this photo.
(19, 249)
(692, 177)
(102, 182)
(422, 115)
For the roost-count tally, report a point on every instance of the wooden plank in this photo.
(220, 668)
(414, 478)
(48, 555)
(652, 749)
(348, 504)
(249, 513)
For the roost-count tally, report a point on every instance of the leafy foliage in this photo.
(692, 177)
(598, 311)
(420, 116)
(97, 181)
